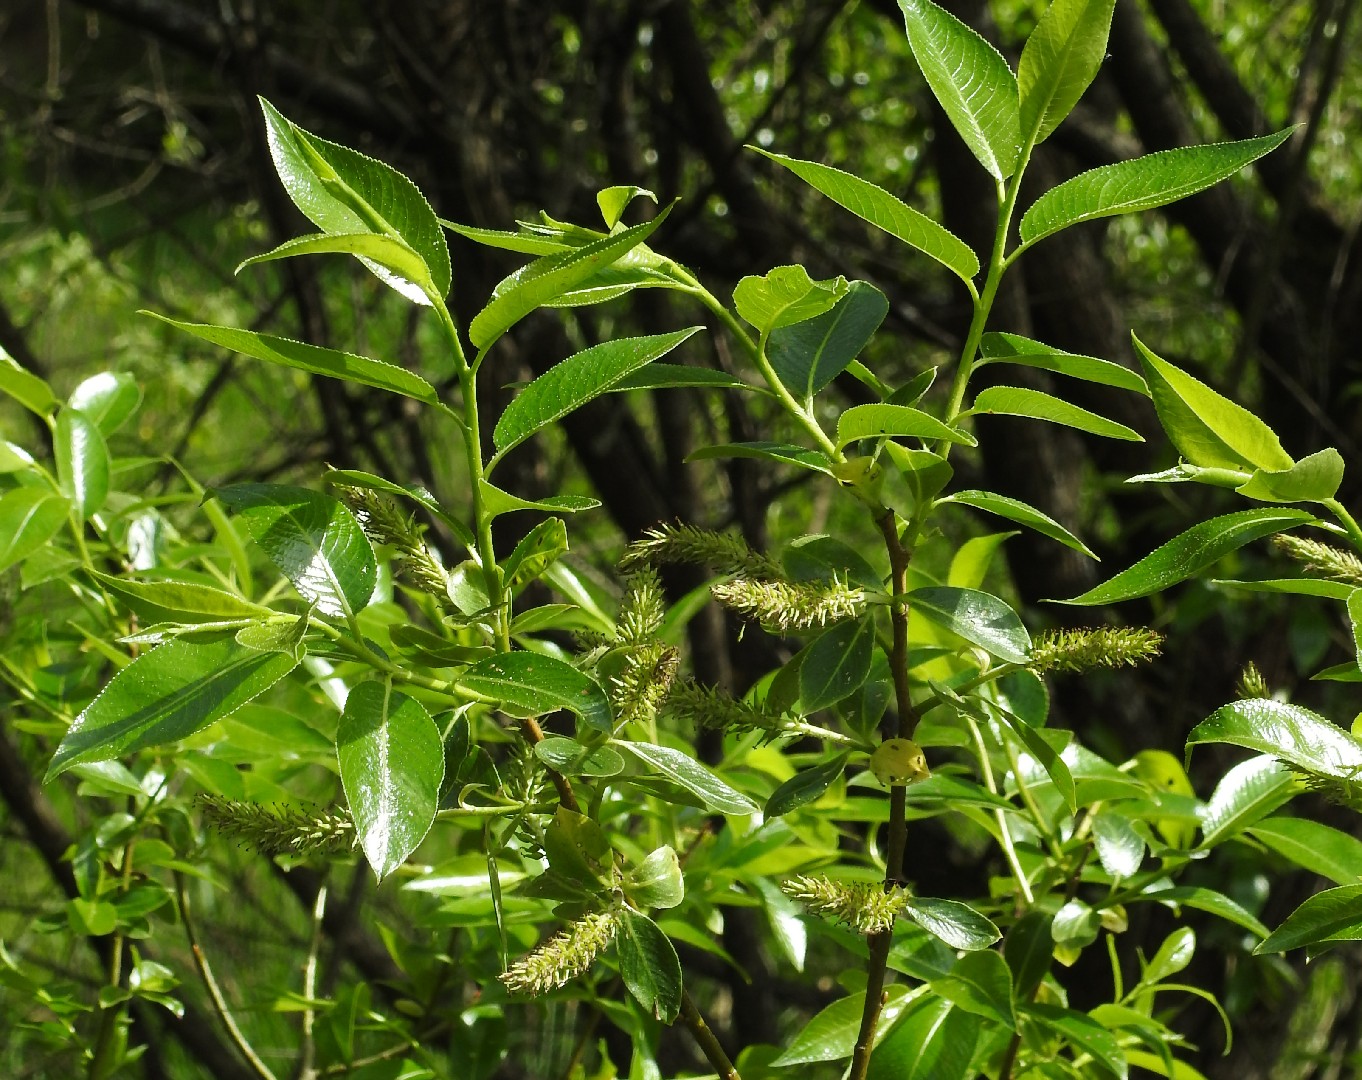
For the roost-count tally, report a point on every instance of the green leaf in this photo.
(575, 381)
(1355, 623)
(831, 1033)
(108, 399)
(613, 200)
(884, 211)
(810, 354)
(933, 1041)
(656, 882)
(495, 502)
(670, 376)
(536, 551)
(1173, 956)
(571, 758)
(1120, 849)
(1335, 590)
(343, 191)
(978, 617)
(683, 769)
(414, 492)
(1249, 791)
(804, 787)
(538, 282)
(1083, 1033)
(311, 358)
(875, 421)
(1319, 848)
(29, 518)
(312, 539)
(1019, 401)
(1312, 479)
(957, 924)
(26, 388)
(82, 461)
(1210, 901)
(180, 601)
(1028, 949)
(1021, 513)
(972, 82)
(1015, 349)
(785, 296)
(1059, 61)
(837, 663)
(980, 983)
(391, 764)
(165, 695)
(374, 249)
(1208, 429)
(1289, 732)
(649, 965)
(1333, 915)
(525, 684)
(1141, 184)
(1045, 755)
(785, 453)
(1189, 553)
(523, 241)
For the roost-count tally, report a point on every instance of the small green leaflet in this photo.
(683, 769)
(875, 421)
(1330, 916)
(837, 663)
(29, 517)
(785, 296)
(526, 684)
(26, 388)
(1037, 405)
(82, 461)
(810, 354)
(108, 399)
(1021, 513)
(957, 924)
(804, 787)
(1001, 348)
(1058, 62)
(387, 252)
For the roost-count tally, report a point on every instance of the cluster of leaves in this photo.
(411, 691)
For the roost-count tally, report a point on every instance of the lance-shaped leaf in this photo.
(1020, 512)
(785, 453)
(522, 240)
(1319, 848)
(957, 924)
(495, 502)
(107, 399)
(312, 539)
(837, 664)
(649, 965)
(978, 617)
(27, 389)
(873, 421)
(831, 1033)
(1249, 791)
(884, 211)
(1058, 62)
(1191, 552)
(1084, 1034)
(972, 82)
(82, 461)
(683, 769)
(981, 983)
(1208, 429)
(1037, 405)
(311, 358)
(391, 764)
(388, 252)
(29, 517)
(1140, 184)
(343, 191)
(668, 376)
(526, 684)
(1333, 915)
(1289, 732)
(613, 200)
(166, 695)
(933, 1041)
(810, 354)
(804, 787)
(999, 348)
(180, 601)
(785, 296)
(537, 283)
(575, 381)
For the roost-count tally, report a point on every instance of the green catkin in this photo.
(1251, 683)
(567, 954)
(712, 709)
(1321, 558)
(276, 830)
(1081, 650)
(787, 606)
(721, 552)
(864, 906)
(382, 523)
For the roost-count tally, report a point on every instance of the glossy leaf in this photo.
(884, 211)
(1319, 848)
(525, 684)
(1312, 479)
(978, 617)
(837, 663)
(571, 758)
(29, 517)
(656, 882)
(1037, 405)
(819, 557)
(1140, 184)
(187, 601)
(575, 381)
(1083, 1033)
(933, 1041)
(806, 786)
(165, 695)
(1028, 949)
(1208, 900)
(108, 399)
(1173, 956)
(538, 282)
(670, 376)
(343, 191)
(981, 983)
(1333, 915)
(533, 554)
(82, 461)
(785, 296)
(1045, 755)
(1186, 555)
(614, 200)
(312, 539)
(1021, 513)
(1058, 62)
(785, 453)
(972, 82)
(387, 252)
(1015, 349)
(1289, 732)
(1249, 791)
(391, 764)
(831, 1034)
(957, 924)
(683, 769)
(23, 386)
(1208, 429)
(1335, 590)
(649, 965)
(1120, 849)
(810, 354)
(522, 240)
(495, 502)
(875, 421)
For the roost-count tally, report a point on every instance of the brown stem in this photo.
(529, 727)
(709, 1044)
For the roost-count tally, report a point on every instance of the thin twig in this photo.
(709, 1044)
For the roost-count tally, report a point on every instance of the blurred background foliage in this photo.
(136, 176)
